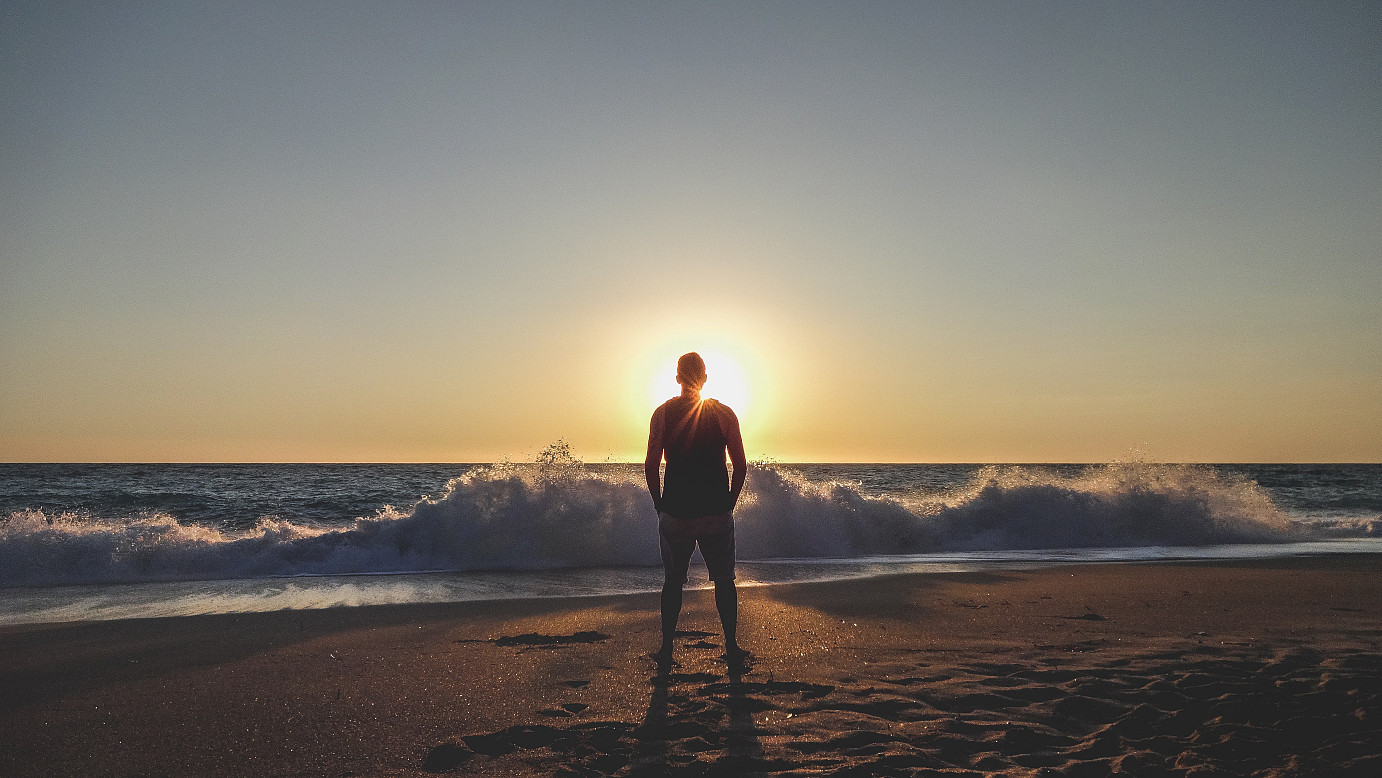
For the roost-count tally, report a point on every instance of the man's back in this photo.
(697, 481)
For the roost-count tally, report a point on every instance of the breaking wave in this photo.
(560, 514)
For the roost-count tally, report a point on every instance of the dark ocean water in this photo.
(304, 535)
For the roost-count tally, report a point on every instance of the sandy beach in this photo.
(1248, 668)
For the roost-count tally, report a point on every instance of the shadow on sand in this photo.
(697, 723)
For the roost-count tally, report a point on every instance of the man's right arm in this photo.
(652, 462)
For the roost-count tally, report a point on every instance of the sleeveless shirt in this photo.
(697, 481)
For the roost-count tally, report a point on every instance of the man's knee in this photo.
(674, 578)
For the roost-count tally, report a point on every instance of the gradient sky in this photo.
(917, 231)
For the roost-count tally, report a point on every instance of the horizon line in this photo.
(768, 461)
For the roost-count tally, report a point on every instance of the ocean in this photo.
(85, 542)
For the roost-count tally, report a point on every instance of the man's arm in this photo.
(734, 441)
(652, 463)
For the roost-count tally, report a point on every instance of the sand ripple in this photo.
(1201, 712)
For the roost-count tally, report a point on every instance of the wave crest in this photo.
(1122, 504)
(560, 514)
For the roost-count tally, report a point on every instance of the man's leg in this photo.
(727, 603)
(718, 551)
(676, 558)
(671, 611)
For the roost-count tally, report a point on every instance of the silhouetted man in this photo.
(696, 503)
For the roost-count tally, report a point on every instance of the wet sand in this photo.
(1267, 667)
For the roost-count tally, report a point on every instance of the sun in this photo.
(726, 381)
(741, 371)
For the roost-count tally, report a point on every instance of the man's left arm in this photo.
(734, 442)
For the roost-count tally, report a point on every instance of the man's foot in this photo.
(663, 657)
(737, 658)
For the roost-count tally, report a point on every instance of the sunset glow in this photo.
(743, 371)
(897, 232)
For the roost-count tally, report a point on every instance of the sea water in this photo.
(83, 542)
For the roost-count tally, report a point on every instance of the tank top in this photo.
(696, 483)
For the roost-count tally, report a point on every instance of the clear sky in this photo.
(285, 231)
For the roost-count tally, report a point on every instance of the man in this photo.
(696, 503)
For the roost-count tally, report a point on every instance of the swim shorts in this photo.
(679, 538)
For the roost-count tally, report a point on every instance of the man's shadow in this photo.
(650, 750)
(692, 713)
(744, 749)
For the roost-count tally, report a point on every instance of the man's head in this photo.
(691, 370)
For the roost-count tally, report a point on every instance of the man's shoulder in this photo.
(720, 408)
(667, 407)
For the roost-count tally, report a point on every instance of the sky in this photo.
(900, 232)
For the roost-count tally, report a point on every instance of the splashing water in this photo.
(560, 513)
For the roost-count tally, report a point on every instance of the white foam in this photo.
(562, 515)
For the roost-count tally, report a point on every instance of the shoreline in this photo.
(1074, 668)
(123, 600)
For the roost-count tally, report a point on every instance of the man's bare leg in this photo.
(727, 603)
(671, 611)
